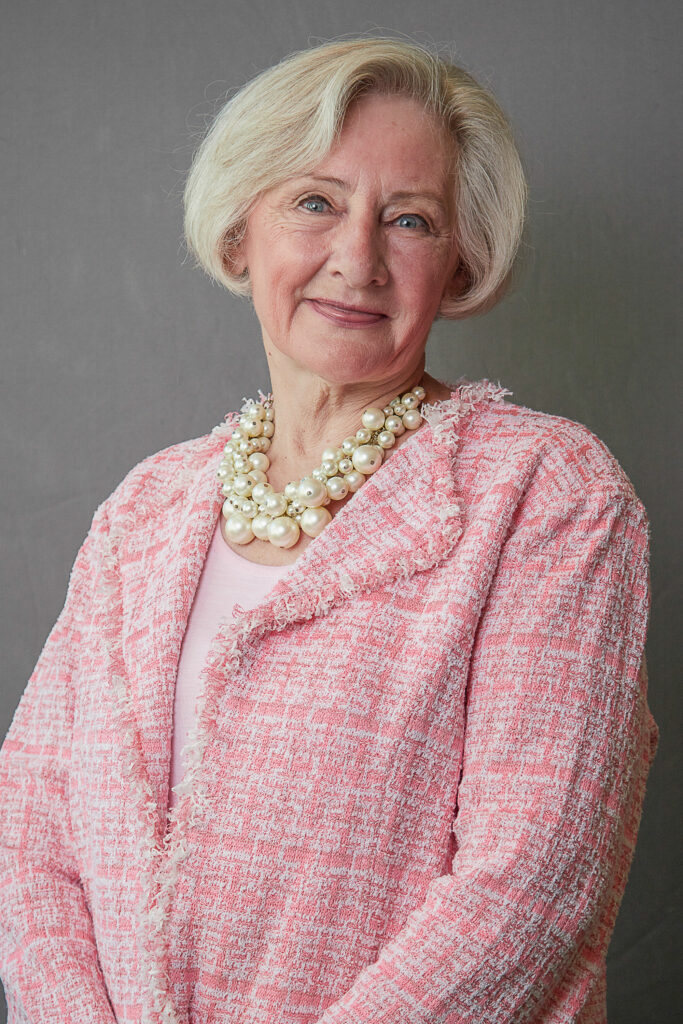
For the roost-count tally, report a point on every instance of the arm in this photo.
(48, 956)
(558, 744)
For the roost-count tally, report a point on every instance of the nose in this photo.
(358, 251)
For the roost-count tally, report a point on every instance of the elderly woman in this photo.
(345, 718)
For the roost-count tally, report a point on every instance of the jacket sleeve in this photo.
(48, 955)
(558, 744)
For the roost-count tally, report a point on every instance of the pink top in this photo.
(227, 580)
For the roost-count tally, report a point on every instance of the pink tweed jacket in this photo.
(416, 779)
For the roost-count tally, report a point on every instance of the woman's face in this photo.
(348, 262)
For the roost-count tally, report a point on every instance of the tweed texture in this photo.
(415, 780)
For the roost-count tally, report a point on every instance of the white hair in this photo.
(285, 121)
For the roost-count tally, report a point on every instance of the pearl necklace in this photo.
(252, 508)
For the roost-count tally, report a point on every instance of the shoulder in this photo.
(540, 451)
(160, 480)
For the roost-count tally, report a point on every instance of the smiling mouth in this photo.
(347, 316)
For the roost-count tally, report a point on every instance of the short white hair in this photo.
(285, 121)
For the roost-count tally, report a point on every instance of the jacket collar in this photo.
(406, 518)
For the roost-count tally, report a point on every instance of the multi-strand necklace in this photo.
(253, 508)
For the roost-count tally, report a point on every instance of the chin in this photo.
(344, 364)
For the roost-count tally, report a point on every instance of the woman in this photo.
(345, 717)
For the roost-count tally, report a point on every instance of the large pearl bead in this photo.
(395, 425)
(242, 485)
(337, 488)
(260, 524)
(259, 461)
(367, 458)
(386, 439)
(311, 492)
(276, 504)
(238, 529)
(260, 491)
(412, 419)
(373, 418)
(354, 480)
(314, 520)
(283, 532)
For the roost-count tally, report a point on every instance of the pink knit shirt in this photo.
(414, 785)
(226, 580)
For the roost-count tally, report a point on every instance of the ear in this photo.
(459, 282)
(232, 257)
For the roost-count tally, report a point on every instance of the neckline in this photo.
(231, 556)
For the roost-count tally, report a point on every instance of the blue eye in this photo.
(316, 204)
(411, 220)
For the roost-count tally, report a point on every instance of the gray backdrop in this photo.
(114, 347)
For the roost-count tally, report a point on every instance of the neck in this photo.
(312, 414)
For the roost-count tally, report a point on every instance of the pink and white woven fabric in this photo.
(416, 777)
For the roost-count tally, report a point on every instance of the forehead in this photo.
(393, 136)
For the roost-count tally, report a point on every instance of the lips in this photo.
(347, 316)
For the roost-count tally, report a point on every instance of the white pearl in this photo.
(387, 410)
(410, 400)
(386, 439)
(314, 521)
(227, 509)
(268, 428)
(261, 490)
(419, 392)
(259, 476)
(395, 425)
(276, 504)
(412, 419)
(238, 529)
(399, 408)
(242, 485)
(349, 445)
(270, 414)
(328, 455)
(291, 491)
(260, 524)
(259, 461)
(283, 532)
(249, 508)
(311, 492)
(238, 434)
(345, 465)
(363, 435)
(337, 488)
(354, 480)
(330, 467)
(367, 459)
(373, 418)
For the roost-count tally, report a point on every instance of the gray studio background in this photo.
(114, 347)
